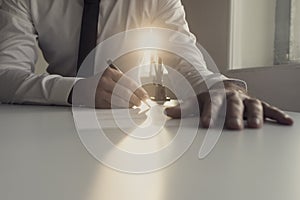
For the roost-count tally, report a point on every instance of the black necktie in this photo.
(89, 27)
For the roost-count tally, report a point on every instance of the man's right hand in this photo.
(126, 95)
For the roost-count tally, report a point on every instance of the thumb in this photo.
(173, 112)
(187, 108)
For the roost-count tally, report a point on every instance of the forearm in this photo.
(18, 54)
(22, 87)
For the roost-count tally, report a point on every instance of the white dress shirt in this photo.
(55, 27)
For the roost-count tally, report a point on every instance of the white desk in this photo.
(42, 158)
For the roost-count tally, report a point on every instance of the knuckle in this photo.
(253, 101)
(132, 85)
(103, 81)
(101, 93)
(108, 72)
(254, 106)
(135, 100)
(204, 97)
(127, 94)
(140, 93)
(232, 94)
(234, 100)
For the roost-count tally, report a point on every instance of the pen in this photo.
(113, 66)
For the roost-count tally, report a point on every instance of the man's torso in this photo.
(58, 24)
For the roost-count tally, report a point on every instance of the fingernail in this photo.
(145, 97)
(206, 122)
(165, 112)
(138, 104)
(287, 117)
(289, 120)
(255, 121)
(235, 123)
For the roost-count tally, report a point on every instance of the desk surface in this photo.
(42, 158)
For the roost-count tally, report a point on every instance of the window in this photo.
(264, 33)
(295, 32)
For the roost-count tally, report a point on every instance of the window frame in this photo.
(284, 52)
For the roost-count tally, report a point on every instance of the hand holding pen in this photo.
(114, 90)
(127, 90)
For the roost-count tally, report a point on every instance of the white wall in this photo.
(253, 30)
(209, 20)
(295, 31)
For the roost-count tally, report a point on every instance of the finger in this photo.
(126, 95)
(114, 74)
(187, 108)
(254, 113)
(107, 83)
(111, 86)
(276, 114)
(115, 102)
(173, 112)
(235, 109)
(141, 93)
(206, 114)
(129, 83)
(134, 87)
(100, 103)
(103, 105)
(210, 109)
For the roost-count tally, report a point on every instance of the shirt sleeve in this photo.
(170, 14)
(18, 55)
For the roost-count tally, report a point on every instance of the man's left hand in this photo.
(239, 107)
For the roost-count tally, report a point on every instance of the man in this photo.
(56, 26)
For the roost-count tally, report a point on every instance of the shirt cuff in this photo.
(238, 82)
(214, 79)
(63, 87)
